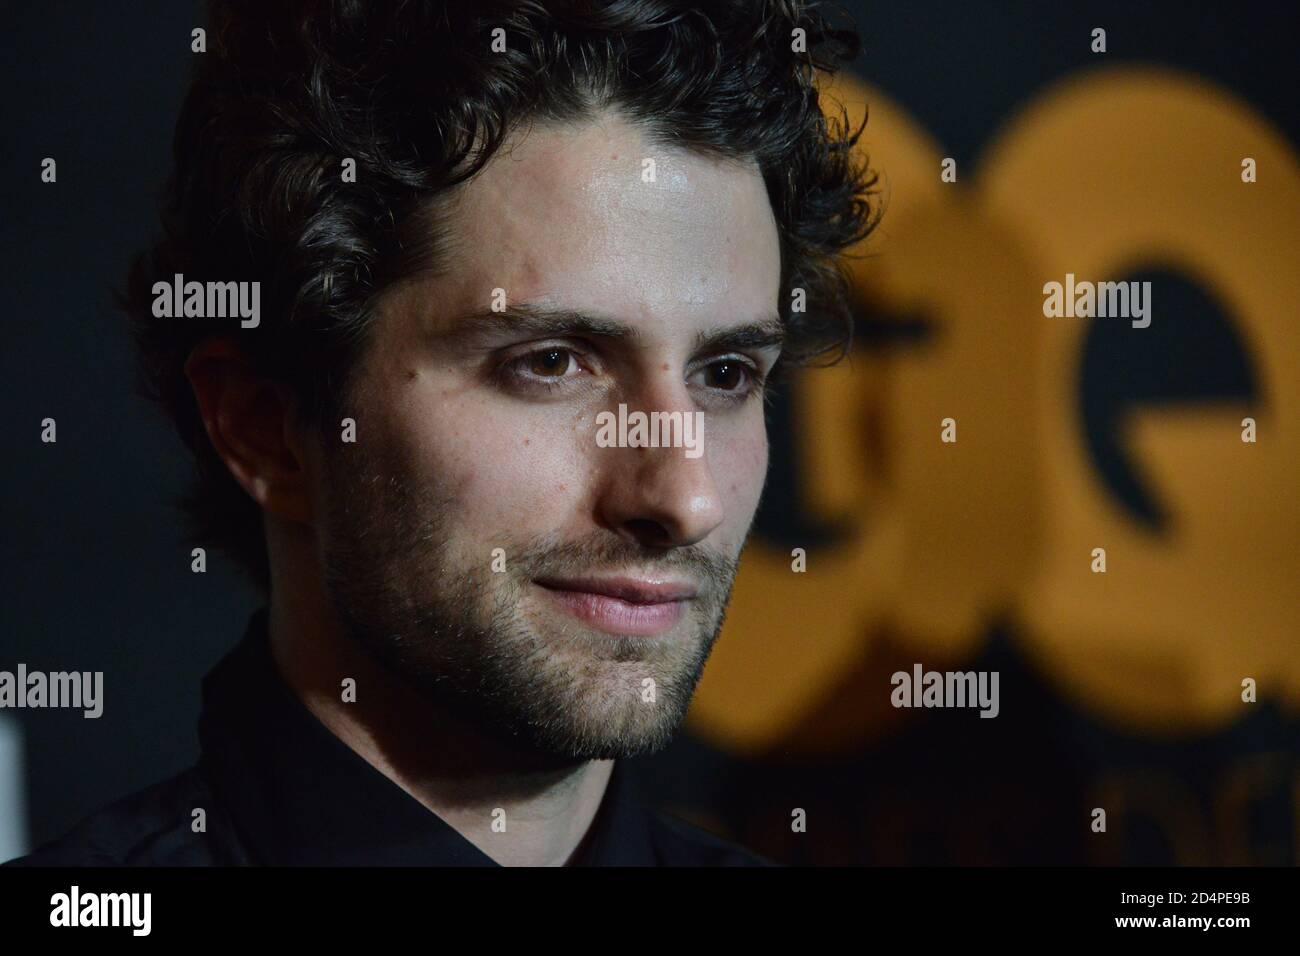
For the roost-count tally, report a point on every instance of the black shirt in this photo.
(278, 788)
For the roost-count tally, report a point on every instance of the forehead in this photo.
(594, 217)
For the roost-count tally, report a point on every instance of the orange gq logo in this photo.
(1105, 174)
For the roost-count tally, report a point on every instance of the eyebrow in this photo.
(544, 322)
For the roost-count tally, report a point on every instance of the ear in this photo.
(252, 424)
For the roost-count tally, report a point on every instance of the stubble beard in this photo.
(479, 642)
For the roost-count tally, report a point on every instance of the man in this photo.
(471, 235)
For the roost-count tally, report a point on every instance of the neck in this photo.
(453, 768)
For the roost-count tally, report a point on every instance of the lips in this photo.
(622, 605)
(631, 590)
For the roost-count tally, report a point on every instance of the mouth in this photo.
(633, 606)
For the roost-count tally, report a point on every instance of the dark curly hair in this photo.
(414, 93)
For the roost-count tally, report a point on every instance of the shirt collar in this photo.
(299, 796)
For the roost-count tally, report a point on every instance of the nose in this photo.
(660, 497)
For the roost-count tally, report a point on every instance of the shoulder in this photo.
(152, 827)
(682, 844)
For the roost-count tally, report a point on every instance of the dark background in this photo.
(96, 575)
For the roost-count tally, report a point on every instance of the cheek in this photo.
(501, 469)
(738, 457)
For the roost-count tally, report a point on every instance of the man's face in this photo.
(476, 537)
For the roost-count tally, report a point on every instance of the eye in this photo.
(727, 375)
(730, 374)
(729, 379)
(547, 368)
(549, 363)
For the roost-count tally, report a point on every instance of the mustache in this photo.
(550, 557)
(386, 516)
